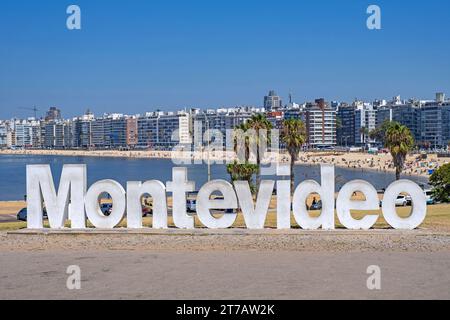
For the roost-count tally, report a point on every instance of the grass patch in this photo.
(438, 218)
(12, 226)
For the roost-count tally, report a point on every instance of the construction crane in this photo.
(34, 109)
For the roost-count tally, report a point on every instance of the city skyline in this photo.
(327, 124)
(172, 55)
(40, 113)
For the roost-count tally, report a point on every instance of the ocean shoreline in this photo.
(355, 161)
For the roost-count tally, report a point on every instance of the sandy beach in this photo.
(363, 161)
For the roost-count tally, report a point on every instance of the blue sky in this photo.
(136, 56)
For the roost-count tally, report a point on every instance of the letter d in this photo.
(326, 192)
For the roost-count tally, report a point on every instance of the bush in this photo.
(440, 180)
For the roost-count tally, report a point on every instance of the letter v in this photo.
(254, 216)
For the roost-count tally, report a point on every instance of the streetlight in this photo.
(208, 146)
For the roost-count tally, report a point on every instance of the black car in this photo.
(23, 214)
(106, 209)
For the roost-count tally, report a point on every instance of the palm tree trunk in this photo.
(397, 173)
(258, 172)
(292, 176)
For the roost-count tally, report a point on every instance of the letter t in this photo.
(179, 186)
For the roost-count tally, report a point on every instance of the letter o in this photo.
(419, 205)
(93, 211)
(344, 205)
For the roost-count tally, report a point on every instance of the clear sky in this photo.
(135, 56)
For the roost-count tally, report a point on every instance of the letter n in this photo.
(68, 203)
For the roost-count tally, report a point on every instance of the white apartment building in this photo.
(184, 132)
(365, 122)
(24, 134)
(164, 130)
(321, 125)
(5, 135)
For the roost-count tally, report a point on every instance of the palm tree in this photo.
(294, 137)
(257, 123)
(379, 134)
(242, 172)
(399, 141)
(244, 127)
(364, 132)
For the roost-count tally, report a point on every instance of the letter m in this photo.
(68, 203)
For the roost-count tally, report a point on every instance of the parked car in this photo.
(191, 202)
(408, 200)
(191, 205)
(225, 211)
(401, 201)
(22, 215)
(147, 210)
(106, 209)
(429, 196)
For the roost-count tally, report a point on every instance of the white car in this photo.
(401, 201)
(191, 205)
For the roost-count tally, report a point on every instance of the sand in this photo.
(11, 207)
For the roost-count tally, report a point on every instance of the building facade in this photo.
(346, 128)
(321, 124)
(272, 101)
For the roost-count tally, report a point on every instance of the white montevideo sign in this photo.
(74, 202)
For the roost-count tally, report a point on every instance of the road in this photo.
(250, 274)
(4, 218)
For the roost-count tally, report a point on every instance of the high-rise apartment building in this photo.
(164, 131)
(435, 124)
(98, 134)
(55, 135)
(383, 114)
(5, 135)
(23, 134)
(321, 124)
(346, 125)
(53, 114)
(82, 131)
(132, 132)
(272, 101)
(365, 122)
(408, 115)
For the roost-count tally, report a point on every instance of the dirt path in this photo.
(224, 275)
(227, 264)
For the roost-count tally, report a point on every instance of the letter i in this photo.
(283, 198)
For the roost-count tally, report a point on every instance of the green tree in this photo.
(399, 141)
(379, 134)
(440, 180)
(242, 172)
(294, 137)
(338, 123)
(258, 123)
